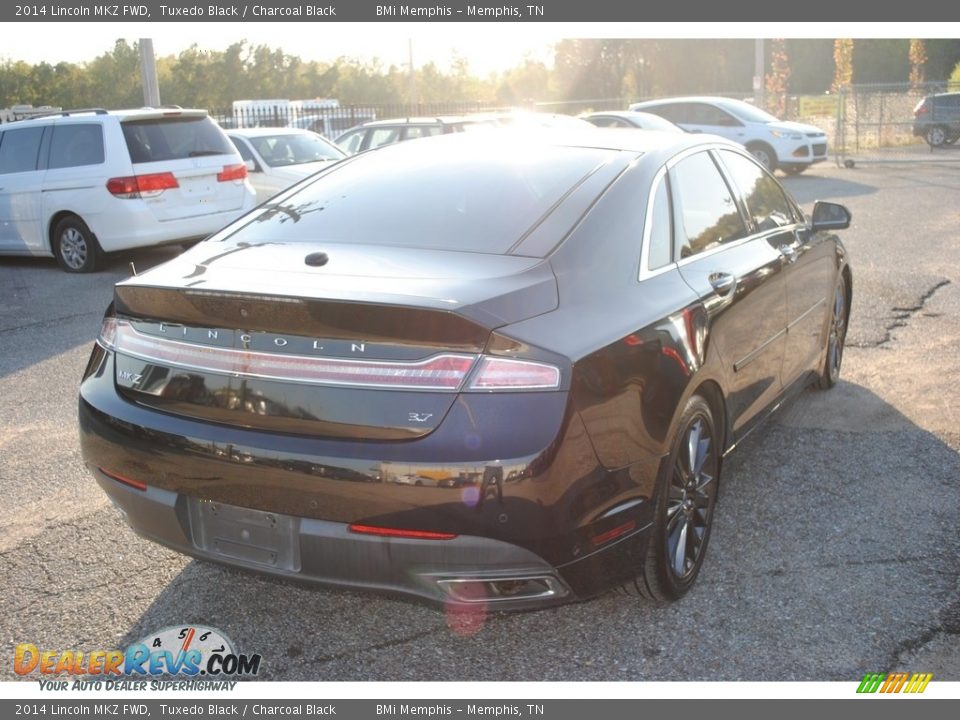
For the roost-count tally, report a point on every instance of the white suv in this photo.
(790, 146)
(78, 184)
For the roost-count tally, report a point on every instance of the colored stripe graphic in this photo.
(918, 683)
(895, 682)
(870, 683)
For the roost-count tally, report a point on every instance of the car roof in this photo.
(692, 98)
(85, 114)
(619, 113)
(653, 143)
(271, 131)
(434, 120)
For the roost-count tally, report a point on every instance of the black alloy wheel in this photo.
(836, 337)
(687, 494)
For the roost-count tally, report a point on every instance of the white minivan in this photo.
(79, 184)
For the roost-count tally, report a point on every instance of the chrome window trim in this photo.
(645, 272)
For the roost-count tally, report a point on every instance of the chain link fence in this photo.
(333, 121)
(885, 124)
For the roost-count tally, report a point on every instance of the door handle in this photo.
(789, 253)
(722, 282)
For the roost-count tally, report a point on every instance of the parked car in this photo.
(789, 146)
(526, 120)
(78, 184)
(936, 119)
(585, 323)
(278, 157)
(630, 119)
(377, 133)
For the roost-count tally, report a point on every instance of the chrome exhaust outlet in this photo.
(502, 589)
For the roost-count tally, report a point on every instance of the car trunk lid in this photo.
(370, 343)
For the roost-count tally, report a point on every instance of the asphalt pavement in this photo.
(836, 549)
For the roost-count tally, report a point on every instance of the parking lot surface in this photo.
(836, 548)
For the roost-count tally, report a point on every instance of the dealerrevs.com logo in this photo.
(895, 682)
(193, 651)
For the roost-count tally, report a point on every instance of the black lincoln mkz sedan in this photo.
(488, 370)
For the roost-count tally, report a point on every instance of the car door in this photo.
(76, 172)
(21, 185)
(809, 264)
(737, 273)
(707, 118)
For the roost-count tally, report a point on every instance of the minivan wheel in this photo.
(764, 155)
(686, 496)
(75, 247)
(936, 136)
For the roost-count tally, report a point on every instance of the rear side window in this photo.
(174, 138)
(674, 112)
(243, 149)
(75, 145)
(765, 201)
(422, 131)
(383, 136)
(705, 213)
(19, 149)
(661, 231)
(352, 141)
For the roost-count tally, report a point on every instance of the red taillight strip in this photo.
(497, 373)
(136, 186)
(613, 534)
(398, 533)
(440, 372)
(232, 172)
(136, 484)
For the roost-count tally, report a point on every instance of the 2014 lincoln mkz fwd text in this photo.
(475, 369)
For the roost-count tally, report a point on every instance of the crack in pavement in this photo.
(901, 317)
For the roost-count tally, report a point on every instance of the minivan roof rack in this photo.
(67, 113)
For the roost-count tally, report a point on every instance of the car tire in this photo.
(836, 337)
(74, 246)
(936, 135)
(686, 495)
(763, 154)
(793, 169)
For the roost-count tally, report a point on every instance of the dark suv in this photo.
(937, 119)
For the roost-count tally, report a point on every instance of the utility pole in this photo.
(413, 78)
(148, 74)
(759, 73)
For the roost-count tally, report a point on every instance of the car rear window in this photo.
(475, 197)
(294, 149)
(174, 138)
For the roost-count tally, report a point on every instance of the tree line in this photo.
(583, 70)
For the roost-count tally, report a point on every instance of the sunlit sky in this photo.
(488, 47)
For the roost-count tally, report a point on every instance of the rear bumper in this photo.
(460, 572)
(131, 224)
(541, 528)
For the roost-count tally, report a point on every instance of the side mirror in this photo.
(829, 216)
(251, 166)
